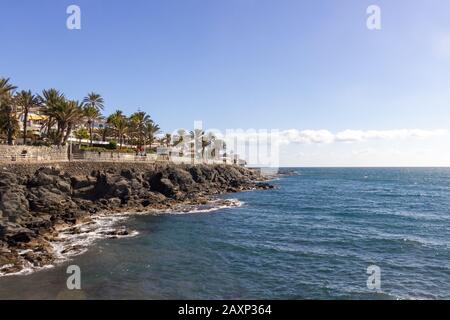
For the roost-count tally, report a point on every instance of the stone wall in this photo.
(12, 154)
(112, 156)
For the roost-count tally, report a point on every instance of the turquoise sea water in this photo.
(312, 237)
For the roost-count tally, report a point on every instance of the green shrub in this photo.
(94, 149)
(41, 143)
(112, 145)
(106, 149)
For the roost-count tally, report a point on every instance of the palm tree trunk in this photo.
(60, 135)
(25, 123)
(49, 125)
(9, 125)
(90, 134)
(10, 136)
(68, 132)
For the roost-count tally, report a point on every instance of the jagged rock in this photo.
(114, 202)
(39, 223)
(79, 182)
(13, 202)
(34, 204)
(14, 233)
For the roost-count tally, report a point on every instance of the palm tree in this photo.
(50, 101)
(74, 115)
(94, 103)
(27, 101)
(179, 138)
(66, 114)
(198, 137)
(94, 100)
(167, 139)
(92, 114)
(103, 131)
(138, 123)
(119, 123)
(202, 139)
(207, 140)
(151, 129)
(5, 87)
(8, 119)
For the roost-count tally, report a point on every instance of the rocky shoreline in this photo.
(39, 206)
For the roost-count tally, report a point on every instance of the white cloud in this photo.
(306, 136)
(323, 136)
(359, 135)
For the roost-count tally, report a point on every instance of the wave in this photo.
(75, 240)
(211, 206)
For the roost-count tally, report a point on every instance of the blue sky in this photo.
(285, 64)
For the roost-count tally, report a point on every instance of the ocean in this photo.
(313, 237)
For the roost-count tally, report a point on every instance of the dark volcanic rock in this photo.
(32, 204)
(14, 233)
(13, 202)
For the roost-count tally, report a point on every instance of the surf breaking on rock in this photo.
(50, 213)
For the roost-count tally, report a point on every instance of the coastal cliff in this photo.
(37, 202)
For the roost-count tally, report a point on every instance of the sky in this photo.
(339, 93)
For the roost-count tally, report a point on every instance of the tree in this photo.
(179, 138)
(119, 123)
(26, 101)
(92, 114)
(6, 88)
(94, 100)
(50, 100)
(94, 103)
(140, 123)
(195, 141)
(81, 134)
(202, 140)
(103, 131)
(207, 140)
(151, 129)
(66, 114)
(74, 116)
(167, 139)
(8, 119)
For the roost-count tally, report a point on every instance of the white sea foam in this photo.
(211, 206)
(76, 240)
(73, 241)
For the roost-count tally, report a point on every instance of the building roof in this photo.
(36, 117)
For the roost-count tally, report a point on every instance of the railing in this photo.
(42, 157)
(149, 158)
(31, 158)
(113, 157)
